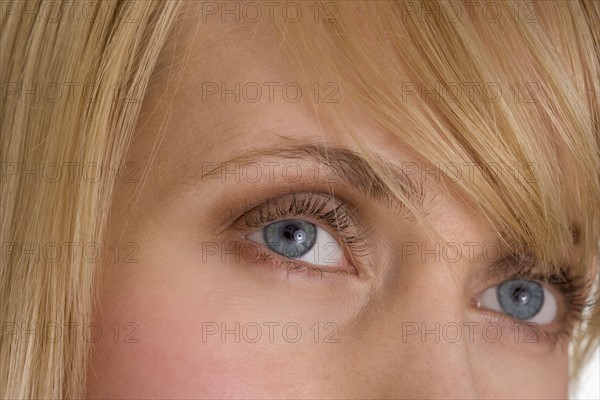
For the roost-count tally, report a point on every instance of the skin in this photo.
(177, 293)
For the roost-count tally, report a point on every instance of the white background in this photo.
(589, 387)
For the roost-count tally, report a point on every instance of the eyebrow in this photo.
(346, 165)
(351, 168)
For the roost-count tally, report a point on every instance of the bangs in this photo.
(503, 104)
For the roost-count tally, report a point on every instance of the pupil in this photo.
(521, 295)
(289, 231)
(291, 238)
(293, 233)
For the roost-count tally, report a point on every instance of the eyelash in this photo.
(569, 284)
(318, 206)
(341, 221)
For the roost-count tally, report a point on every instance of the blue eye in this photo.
(291, 238)
(300, 240)
(521, 299)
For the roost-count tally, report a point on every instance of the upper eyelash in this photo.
(313, 205)
(573, 286)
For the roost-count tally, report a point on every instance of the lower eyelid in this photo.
(518, 332)
(255, 251)
(261, 255)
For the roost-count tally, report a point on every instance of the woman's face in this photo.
(202, 296)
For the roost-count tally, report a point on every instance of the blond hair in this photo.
(104, 54)
(372, 55)
(543, 116)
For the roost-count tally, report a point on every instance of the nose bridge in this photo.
(426, 350)
(432, 360)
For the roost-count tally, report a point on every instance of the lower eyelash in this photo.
(521, 332)
(571, 285)
(294, 267)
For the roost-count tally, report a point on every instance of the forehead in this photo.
(234, 83)
(236, 89)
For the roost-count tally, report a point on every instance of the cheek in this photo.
(171, 353)
(175, 326)
(152, 360)
(152, 317)
(515, 371)
(212, 352)
(182, 331)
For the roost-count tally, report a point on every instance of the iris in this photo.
(521, 299)
(290, 238)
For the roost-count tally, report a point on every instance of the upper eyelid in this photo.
(511, 265)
